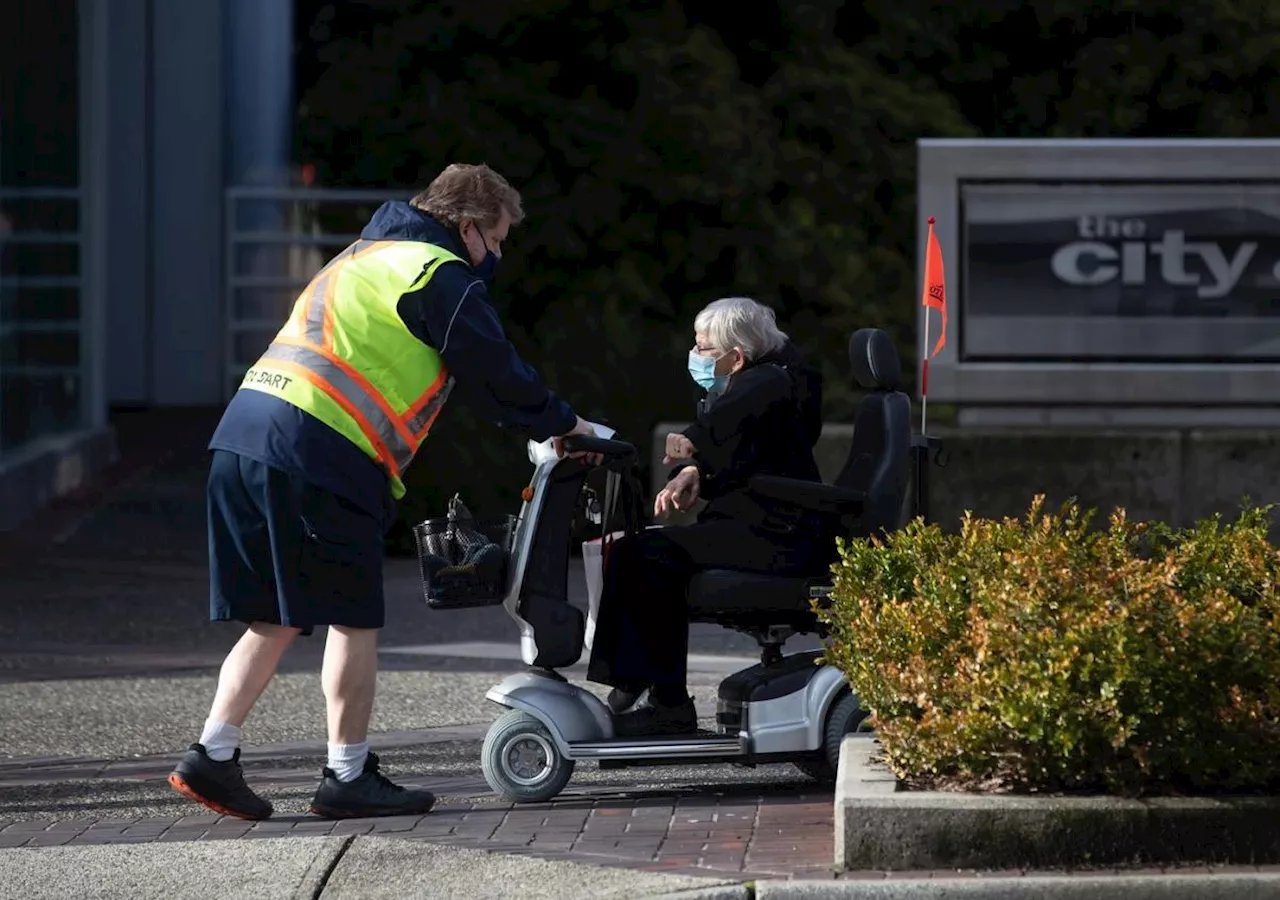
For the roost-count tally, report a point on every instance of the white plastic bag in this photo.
(593, 566)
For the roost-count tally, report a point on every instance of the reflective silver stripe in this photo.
(313, 328)
(419, 422)
(400, 450)
(314, 324)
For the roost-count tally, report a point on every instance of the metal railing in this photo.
(21, 318)
(276, 240)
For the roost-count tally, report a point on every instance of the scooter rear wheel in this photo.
(846, 717)
(520, 759)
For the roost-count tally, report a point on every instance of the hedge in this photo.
(1042, 654)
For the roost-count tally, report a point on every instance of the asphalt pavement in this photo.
(106, 649)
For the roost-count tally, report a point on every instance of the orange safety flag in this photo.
(935, 287)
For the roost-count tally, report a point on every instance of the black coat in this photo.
(766, 422)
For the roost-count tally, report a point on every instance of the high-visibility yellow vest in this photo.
(346, 357)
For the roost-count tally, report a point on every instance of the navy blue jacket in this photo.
(452, 313)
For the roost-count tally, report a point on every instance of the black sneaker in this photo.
(372, 794)
(217, 785)
(650, 718)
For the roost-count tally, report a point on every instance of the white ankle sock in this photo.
(347, 760)
(220, 739)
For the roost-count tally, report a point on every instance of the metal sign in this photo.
(1121, 272)
(1106, 281)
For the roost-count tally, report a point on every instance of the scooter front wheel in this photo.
(521, 761)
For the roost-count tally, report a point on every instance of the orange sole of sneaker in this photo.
(178, 784)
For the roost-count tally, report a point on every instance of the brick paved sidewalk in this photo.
(744, 831)
(741, 835)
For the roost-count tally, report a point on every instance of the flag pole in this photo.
(924, 375)
(924, 350)
(933, 295)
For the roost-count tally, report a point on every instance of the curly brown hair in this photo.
(470, 192)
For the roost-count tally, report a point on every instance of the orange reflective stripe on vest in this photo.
(425, 409)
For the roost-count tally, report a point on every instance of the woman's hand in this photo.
(678, 447)
(680, 493)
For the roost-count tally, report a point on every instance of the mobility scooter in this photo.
(786, 708)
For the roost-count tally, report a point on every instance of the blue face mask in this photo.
(703, 370)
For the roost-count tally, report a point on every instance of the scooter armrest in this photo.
(813, 496)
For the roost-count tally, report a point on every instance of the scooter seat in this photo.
(715, 594)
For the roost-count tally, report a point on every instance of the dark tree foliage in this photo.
(670, 153)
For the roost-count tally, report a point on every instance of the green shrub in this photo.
(1043, 654)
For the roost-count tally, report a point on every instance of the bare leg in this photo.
(352, 784)
(248, 669)
(349, 678)
(213, 777)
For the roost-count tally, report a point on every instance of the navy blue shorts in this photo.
(286, 552)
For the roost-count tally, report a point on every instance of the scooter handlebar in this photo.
(581, 443)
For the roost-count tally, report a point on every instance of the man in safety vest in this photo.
(308, 459)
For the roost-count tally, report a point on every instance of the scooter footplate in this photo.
(692, 745)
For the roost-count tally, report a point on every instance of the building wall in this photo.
(122, 125)
(52, 413)
(42, 377)
(188, 134)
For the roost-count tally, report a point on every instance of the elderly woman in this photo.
(761, 416)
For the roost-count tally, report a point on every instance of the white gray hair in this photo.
(740, 322)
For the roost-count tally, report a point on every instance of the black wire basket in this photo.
(463, 560)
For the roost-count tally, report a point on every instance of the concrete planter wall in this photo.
(881, 826)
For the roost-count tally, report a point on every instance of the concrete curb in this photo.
(1068, 887)
(723, 892)
(878, 826)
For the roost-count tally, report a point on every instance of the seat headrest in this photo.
(875, 361)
